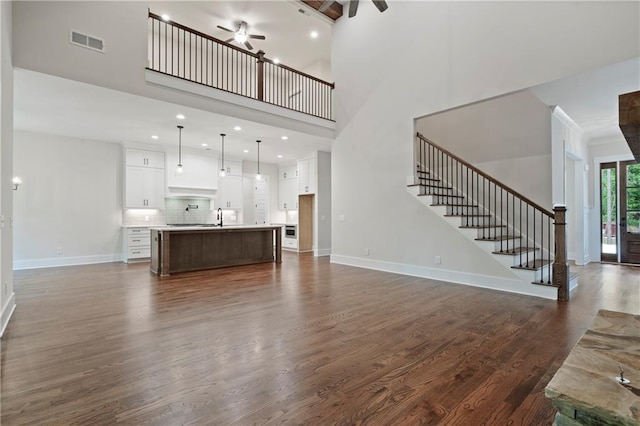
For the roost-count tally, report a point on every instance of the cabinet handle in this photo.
(135, 252)
(135, 241)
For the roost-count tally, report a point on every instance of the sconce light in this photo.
(16, 182)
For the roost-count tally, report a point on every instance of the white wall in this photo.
(7, 296)
(322, 220)
(502, 136)
(71, 198)
(448, 54)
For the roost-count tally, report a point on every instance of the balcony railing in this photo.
(191, 55)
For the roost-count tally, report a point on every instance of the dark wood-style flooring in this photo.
(304, 342)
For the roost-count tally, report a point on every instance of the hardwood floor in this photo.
(304, 342)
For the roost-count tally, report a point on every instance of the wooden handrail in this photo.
(246, 52)
(486, 176)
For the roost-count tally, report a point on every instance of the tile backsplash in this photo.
(176, 212)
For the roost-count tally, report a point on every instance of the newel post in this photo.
(560, 263)
(260, 75)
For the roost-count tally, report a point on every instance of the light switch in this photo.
(341, 218)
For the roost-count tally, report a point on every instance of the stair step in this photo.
(436, 186)
(547, 284)
(467, 215)
(534, 265)
(424, 172)
(454, 205)
(516, 251)
(426, 178)
(481, 226)
(498, 238)
(413, 184)
(443, 195)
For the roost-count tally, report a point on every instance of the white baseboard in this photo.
(455, 277)
(66, 261)
(322, 252)
(7, 312)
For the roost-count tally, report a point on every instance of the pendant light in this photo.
(223, 171)
(179, 167)
(258, 175)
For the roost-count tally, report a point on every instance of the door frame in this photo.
(607, 257)
(624, 236)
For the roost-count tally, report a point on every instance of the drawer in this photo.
(139, 231)
(139, 240)
(139, 252)
(290, 243)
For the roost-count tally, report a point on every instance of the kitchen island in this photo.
(194, 248)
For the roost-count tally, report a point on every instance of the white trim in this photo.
(160, 79)
(561, 115)
(455, 277)
(66, 261)
(7, 312)
(322, 252)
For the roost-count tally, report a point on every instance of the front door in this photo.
(629, 212)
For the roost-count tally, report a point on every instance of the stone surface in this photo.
(586, 381)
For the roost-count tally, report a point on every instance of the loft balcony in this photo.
(189, 60)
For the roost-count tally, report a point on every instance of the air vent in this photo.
(87, 41)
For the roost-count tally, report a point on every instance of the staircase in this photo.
(516, 231)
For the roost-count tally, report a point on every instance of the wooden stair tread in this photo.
(516, 251)
(534, 265)
(499, 238)
(426, 178)
(445, 196)
(481, 226)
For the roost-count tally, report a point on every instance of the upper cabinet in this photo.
(199, 172)
(231, 167)
(144, 179)
(307, 176)
(230, 192)
(290, 172)
(143, 158)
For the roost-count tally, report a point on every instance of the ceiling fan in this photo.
(353, 6)
(241, 36)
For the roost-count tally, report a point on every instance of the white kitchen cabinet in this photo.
(144, 188)
(288, 194)
(230, 192)
(136, 244)
(307, 176)
(231, 167)
(290, 172)
(199, 172)
(143, 158)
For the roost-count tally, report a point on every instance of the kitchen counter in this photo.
(585, 390)
(177, 249)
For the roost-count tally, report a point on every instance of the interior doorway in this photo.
(609, 212)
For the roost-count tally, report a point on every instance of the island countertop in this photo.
(585, 388)
(192, 248)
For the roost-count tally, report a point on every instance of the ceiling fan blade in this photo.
(353, 8)
(225, 29)
(230, 40)
(256, 36)
(249, 46)
(381, 5)
(325, 5)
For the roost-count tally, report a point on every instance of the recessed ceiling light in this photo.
(237, 128)
(165, 17)
(314, 34)
(245, 150)
(284, 138)
(180, 117)
(154, 137)
(279, 156)
(276, 61)
(204, 144)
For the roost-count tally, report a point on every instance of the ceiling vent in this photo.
(87, 41)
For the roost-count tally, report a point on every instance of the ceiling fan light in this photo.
(240, 37)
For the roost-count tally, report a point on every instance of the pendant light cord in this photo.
(180, 145)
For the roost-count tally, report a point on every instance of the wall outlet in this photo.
(366, 252)
(438, 260)
(59, 250)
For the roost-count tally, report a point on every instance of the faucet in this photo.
(220, 216)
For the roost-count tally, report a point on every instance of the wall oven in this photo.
(291, 231)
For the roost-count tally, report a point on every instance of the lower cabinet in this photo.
(290, 243)
(136, 244)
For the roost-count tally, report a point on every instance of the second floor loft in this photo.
(178, 51)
